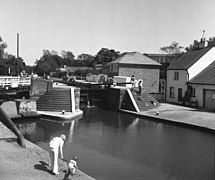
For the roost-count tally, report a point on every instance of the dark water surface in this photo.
(117, 146)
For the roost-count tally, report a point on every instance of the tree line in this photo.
(10, 64)
(52, 60)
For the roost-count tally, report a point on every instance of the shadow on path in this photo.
(43, 167)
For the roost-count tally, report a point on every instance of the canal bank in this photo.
(182, 115)
(27, 163)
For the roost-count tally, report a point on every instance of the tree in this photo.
(16, 65)
(84, 56)
(47, 63)
(106, 55)
(53, 52)
(63, 54)
(7, 56)
(173, 49)
(42, 68)
(46, 53)
(29, 69)
(3, 46)
(86, 60)
(67, 55)
(193, 46)
(211, 42)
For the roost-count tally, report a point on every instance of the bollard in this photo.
(88, 104)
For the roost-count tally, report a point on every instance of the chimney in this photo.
(17, 45)
(202, 43)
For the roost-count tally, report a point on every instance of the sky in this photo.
(86, 26)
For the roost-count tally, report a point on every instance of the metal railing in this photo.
(14, 81)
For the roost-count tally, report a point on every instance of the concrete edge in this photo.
(61, 117)
(170, 121)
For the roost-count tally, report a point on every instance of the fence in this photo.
(14, 81)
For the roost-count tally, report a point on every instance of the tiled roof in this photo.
(135, 58)
(188, 59)
(207, 76)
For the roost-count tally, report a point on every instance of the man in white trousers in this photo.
(56, 145)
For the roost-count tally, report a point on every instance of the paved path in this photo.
(182, 114)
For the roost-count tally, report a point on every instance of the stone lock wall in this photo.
(77, 98)
(25, 106)
(40, 87)
(150, 77)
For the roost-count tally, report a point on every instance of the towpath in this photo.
(183, 115)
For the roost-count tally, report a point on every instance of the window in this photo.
(172, 92)
(115, 68)
(176, 75)
(193, 92)
(161, 60)
(180, 92)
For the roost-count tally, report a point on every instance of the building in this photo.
(100, 68)
(183, 72)
(202, 88)
(139, 65)
(160, 58)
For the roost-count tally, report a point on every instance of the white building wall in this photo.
(200, 93)
(180, 83)
(202, 63)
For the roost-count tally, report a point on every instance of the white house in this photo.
(203, 88)
(183, 71)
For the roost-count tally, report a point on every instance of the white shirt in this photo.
(72, 164)
(56, 142)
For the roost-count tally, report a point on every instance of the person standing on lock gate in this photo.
(140, 86)
(56, 145)
(133, 81)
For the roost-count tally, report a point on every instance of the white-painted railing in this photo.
(14, 81)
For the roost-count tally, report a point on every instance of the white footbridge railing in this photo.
(14, 81)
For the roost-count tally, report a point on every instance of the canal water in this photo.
(118, 146)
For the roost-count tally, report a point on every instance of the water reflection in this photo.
(134, 124)
(71, 131)
(27, 128)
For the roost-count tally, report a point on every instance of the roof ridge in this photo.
(205, 70)
(188, 59)
(140, 59)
